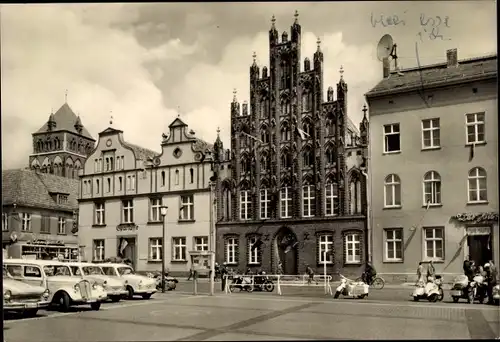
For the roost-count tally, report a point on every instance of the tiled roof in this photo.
(31, 188)
(65, 120)
(436, 75)
(141, 152)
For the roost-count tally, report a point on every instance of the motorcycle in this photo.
(170, 282)
(263, 283)
(349, 288)
(463, 289)
(241, 283)
(432, 291)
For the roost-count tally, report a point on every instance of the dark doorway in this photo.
(127, 249)
(480, 248)
(286, 244)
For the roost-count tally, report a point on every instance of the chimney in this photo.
(386, 67)
(451, 57)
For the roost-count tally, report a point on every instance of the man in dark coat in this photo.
(223, 273)
(468, 268)
(491, 280)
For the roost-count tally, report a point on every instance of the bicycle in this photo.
(377, 283)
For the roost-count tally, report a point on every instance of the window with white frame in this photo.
(475, 124)
(245, 205)
(128, 211)
(392, 191)
(120, 183)
(25, 222)
(108, 189)
(187, 208)
(5, 222)
(264, 203)
(98, 250)
(331, 200)
(325, 246)
(431, 133)
(97, 186)
(201, 243)
(155, 249)
(61, 225)
(231, 248)
(308, 201)
(131, 182)
(352, 248)
(434, 243)
(179, 249)
(286, 202)
(432, 188)
(476, 184)
(99, 214)
(253, 253)
(394, 244)
(155, 204)
(392, 138)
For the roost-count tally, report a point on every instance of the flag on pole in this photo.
(471, 153)
(303, 134)
(252, 137)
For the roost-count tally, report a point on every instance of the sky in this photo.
(145, 64)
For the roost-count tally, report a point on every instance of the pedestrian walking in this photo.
(491, 280)
(280, 268)
(191, 273)
(420, 273)
(431, 271)
(223, 273)
(310, 273)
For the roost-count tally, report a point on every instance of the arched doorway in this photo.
(285, 250)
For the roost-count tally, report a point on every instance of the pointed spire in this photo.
(273, 21)
(341, 71)
(111, 118)
(318, 42)
(254, 56)
(66, 96)
(364, 111)
(234, 95)
(178, 111)
(218, 132)
(296, 15)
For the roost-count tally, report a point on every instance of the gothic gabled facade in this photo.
(285, 197)
(61, 145)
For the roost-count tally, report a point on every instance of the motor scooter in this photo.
(241, 283)
(432, 291)
(349, 288)
(463, 289)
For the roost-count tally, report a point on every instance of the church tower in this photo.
(61, 145)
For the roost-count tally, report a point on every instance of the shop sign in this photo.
(471, 231)
(126, 228)
(45, 242)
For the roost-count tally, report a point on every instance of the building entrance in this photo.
(285, 250)
(479, 242)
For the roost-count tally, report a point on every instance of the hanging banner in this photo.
(471, 231)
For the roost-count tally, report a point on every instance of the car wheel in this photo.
(115, 299)
(95, 306)
(64, 301)
(455, 299)
(441, 295)
(130, 292)
(433, 298)
(146, 296)
(30, 313)
(415, 299)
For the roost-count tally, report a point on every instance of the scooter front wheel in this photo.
(336, 295)
(441, 295)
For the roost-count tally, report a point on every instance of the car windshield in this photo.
(109, 271)
(92, 270)
(56, 270)
(125, 270)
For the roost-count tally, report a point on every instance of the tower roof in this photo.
(65, 120)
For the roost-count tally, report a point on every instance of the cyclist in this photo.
(369, 274)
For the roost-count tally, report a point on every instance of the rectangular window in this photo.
(475, 124)
(179, 249)
(308, 201)
(97, 186)
(155, 209)
(331, 200)
(128, 211)
(434, 243)
(231, 248)
(45, 224)
(96, 165)
(25, 222)
(155, 249)
(201, 243)
(131, 182)
(352, 249)
(394, 244)
(120, 184)
(286, 202)
(98, 250)
(253, 253)
(187, 208)
(264, 204)
(392, 138)
(431, 133)
(108, 189)
(99, 214)
(62, 199)
(61, 226)
(5, 222)
(325, 246)
(245, 205)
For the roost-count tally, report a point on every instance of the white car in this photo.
(24, 298)
(115, 288)
(136, 284)
(65, 290)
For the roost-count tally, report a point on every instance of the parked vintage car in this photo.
(65, 290)
(23, 298)
(115, 288)
(136, 284)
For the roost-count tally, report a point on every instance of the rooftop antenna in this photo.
(387, 48)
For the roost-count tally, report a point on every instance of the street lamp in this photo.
(163, 212)
(212, 233)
